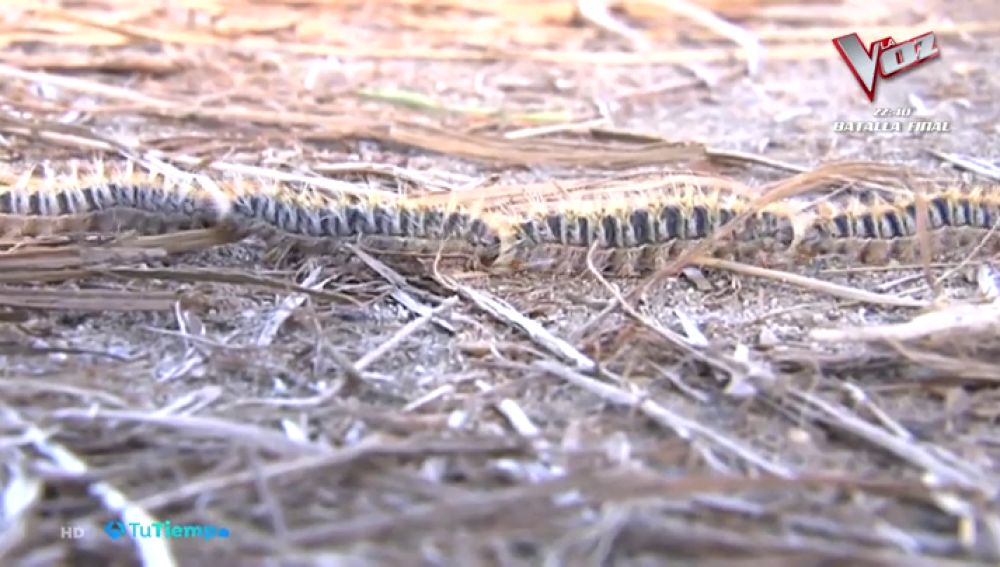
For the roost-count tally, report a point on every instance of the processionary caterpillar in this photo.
(875, 231)
(631, 233)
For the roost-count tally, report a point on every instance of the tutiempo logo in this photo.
(114, 529)
(884, 58)
(165, 530)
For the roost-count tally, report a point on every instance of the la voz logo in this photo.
(884, 58)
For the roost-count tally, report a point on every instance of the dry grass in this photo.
(362, 409)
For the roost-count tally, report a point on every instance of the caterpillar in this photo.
(102, 201)
(628, 234)
(638, 233)
(278, 211)
(874, 230)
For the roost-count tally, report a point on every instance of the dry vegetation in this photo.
(352, 409)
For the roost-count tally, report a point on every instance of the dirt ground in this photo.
(349, 409)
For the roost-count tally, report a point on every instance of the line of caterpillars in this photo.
(150, 202)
